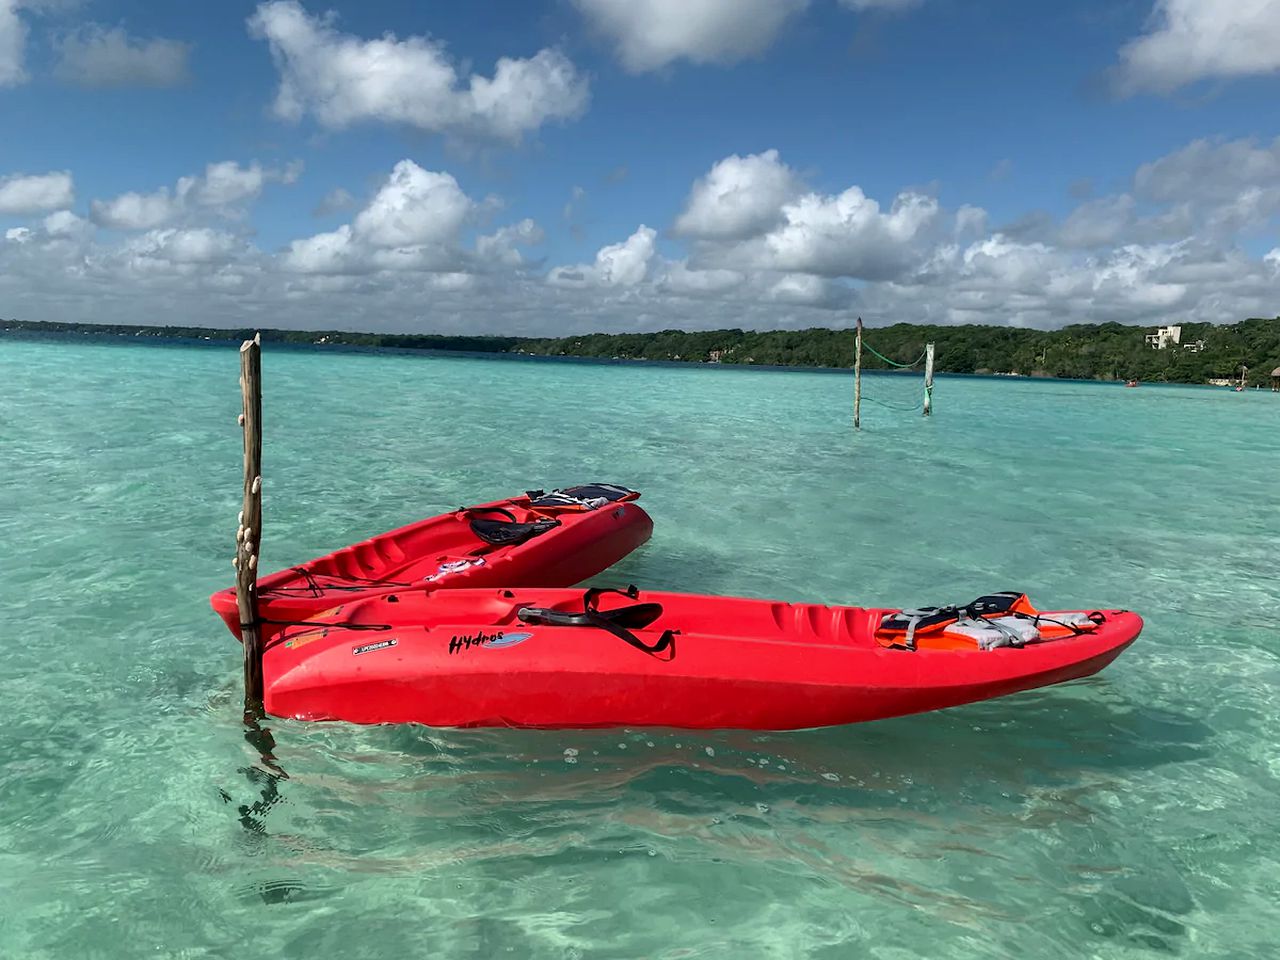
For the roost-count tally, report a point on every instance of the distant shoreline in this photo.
(333, 346)
(1102, 352)
(340, 348)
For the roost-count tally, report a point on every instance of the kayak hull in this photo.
(585, 543)
(462, 658)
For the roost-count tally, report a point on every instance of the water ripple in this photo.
(1127, 815)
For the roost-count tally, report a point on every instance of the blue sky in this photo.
(638, 164)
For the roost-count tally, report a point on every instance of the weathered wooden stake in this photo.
(928, 378)
(857, 378)
(249, 531)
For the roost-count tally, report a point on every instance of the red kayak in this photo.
(539, 539)
(565, 658)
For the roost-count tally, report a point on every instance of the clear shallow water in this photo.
(1132, 814)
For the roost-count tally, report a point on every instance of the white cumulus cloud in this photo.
(412, 225)
(60, 232)
(807, 290)
(225, 184)
(325, 253)
(649, 34)
(65, 225)
(748, 213)
(1190, 40)
(1100, 222)
(1170, 247)
(740, 197)
(23, 194)
(970, 220)
(1207, 170)
(502, 246)
(136, 211)
(624, 264)
(682, 281)
(1013, 265)
(415, 206)
(1212, 188)
(200, 245)
(341, 80)
(13, 42)
(223, 189)
(847, 235)
(95, 56)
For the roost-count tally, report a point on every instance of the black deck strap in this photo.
(615, 622)
(992, 604)
(612, 492)
(1095, 616)
(996, 605)
(910, 622)
(589, 496)
(509, 532)
(987, 607)
(1038, 619)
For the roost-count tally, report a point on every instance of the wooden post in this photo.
(249, 531)
(928, 378)
(857, 378)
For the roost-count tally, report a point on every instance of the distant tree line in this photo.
(1108, 351)
(350, 338)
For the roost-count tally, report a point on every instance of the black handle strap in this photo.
(595, 593)
(545, 616)
(614, 622)
(664, 643)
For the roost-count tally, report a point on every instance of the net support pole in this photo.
(857, 377)
(249, 529)
(928, 379)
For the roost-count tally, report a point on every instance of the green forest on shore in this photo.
(1107, 351)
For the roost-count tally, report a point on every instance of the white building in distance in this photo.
(1164, 336)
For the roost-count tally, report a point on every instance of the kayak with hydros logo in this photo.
(537, 539)
(568, 658)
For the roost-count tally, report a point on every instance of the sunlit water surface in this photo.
(1132, 814)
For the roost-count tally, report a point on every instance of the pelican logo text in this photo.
(457, 644)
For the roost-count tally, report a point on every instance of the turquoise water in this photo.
(1129, 815)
